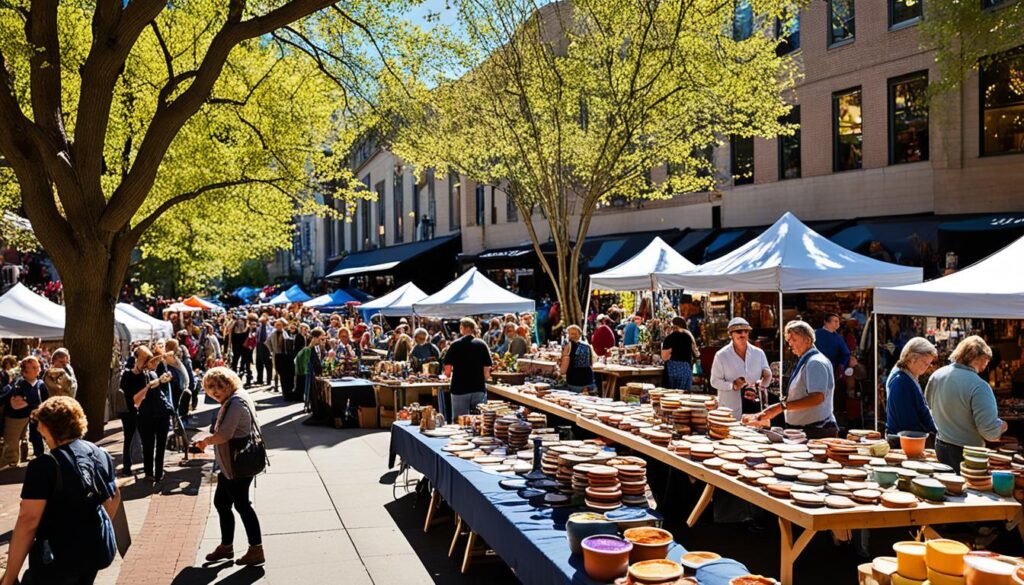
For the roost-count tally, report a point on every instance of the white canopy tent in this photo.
(23, 313)
(790, 257)
(142, 326)
(396, 303)
(181, 308)
(990, 289)
(637, 273)
(471, 294)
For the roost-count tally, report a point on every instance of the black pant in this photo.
(36, 439)
(263, 363)
(286, 372)
(246, 366)
(129, 422)
(153, 432)
(237, 349)
(235, 492)
(950, 454)
(67, 576)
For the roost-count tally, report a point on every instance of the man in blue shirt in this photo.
(631, 332)
(831, 344)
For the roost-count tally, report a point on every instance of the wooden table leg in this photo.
(930, 533)
(470, 543)
(791, 549)
(435, 498)
(702, 504)
(455, 537)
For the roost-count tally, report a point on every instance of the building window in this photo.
(454, 201)
(742, 20)
(787, 32)
(1002, 85)
(904, 12)
(847, 130)
(398, 195)
(741, 158)
(789, 147)
(480, 205)
(842, 25)
(494, 207)
(381, 215)
(908, 119)
(367, 229)
(511, 213)
(431, 202)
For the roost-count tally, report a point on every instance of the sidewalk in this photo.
(326, 507)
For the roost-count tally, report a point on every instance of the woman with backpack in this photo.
(67, 501)
(236, 422)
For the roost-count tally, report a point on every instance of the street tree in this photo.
(202, 121)
(566, 106)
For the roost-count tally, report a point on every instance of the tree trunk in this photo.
(89, 335)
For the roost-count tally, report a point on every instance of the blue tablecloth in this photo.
(531, 540)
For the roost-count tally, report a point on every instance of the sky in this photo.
(447, 15)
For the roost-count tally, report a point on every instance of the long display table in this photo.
(530, 540)
(972, 507)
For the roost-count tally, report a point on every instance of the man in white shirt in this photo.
(738, 365)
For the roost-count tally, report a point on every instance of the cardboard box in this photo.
(367, 417)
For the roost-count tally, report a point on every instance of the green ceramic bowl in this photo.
(929, 489)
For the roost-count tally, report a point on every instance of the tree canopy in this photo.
(567, 105)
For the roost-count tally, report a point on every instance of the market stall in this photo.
(747, 463)
(150, 327)
(986, 298)
(195, 301)
(295, 294)
(333, 300)
(397, 303)
(23, 313)
(787, 258)
(471, 294)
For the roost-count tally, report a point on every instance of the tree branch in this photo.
(45, 68)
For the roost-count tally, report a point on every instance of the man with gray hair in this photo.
(60, 379)
(808, 402)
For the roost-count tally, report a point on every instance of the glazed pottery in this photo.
(912, 442)
(585, 524)
(1002, 482)
(946, 556)
(655, 571)
(953, 482)
(980, 570)
(605, 557)
(930, 489)
(898, 579)
(648, 543)
(937, 578)
(885, 476)
(910, 559)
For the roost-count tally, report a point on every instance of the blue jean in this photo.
(680, 375)
(580, 389)
(465, 403)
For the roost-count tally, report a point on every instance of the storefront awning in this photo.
(996, 222)
(726, 241)
(385, 259)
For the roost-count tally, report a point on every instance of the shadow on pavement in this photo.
(208, 574)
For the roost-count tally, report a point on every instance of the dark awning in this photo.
(386, 259)
(728, 240)
(691, 245)
(986, 223)
(902, 240)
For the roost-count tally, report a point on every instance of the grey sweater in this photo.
(233, 422)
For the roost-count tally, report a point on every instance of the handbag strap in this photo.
(254, 427)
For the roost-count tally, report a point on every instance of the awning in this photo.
(726, 241)
(995, 222)
(295, 294)
(691, 245)
(900, 240)
(387, 258)
(338, 298)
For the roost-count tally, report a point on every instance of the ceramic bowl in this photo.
(912, 442)
(605, 557)
(655, 571)
(953, 482)
(885, 476)
(945, 556)
(930, 489)
(939, 578)
(648, 543)
(1002, 482)
(585, 524)
(980, 570)
(910, 559)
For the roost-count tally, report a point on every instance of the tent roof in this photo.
(990, 289)
(635, 273)
(23, 313)
(143, 327)
(396, 303)
(295, 294)
(196, 301)
(471, 294)
(337, 298)
(180, 308)
(791, 257)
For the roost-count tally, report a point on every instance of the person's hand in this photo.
(739, 383)
(18, 402)
(201, 444)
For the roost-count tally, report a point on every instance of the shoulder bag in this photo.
(248, 453)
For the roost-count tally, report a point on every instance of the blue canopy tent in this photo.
(358, 295)
(246, 293)
(292, 295)
(332, 300)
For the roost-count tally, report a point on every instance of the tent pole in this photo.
(586, 309)
(874, 318)
(782, 336)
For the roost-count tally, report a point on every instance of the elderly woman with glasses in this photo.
(905, 409)
(962, 403)
(808, 403)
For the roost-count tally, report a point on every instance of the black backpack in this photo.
(92, 543)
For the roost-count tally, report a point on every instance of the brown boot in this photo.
(221, 553)
(253, 556)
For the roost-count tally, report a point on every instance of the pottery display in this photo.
(605, 557)
(946, 556)
(910, 561)
(582, 525)
(980, 570)
(912, 442)
(654, 571)
(1002, 482)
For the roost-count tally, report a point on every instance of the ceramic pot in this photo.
(1002, 482)
(648, 543)
(585, 524)
(946, 556)
(655, 571)
(885, 476)
(605, 557)
(910, 560)
(912, 442)
(980, 570)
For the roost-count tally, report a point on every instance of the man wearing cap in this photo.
(738, 365)
(603, 338)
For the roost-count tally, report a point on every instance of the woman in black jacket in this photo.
(154, 404)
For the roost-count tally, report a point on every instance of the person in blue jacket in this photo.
(905, 407)
(21, 397)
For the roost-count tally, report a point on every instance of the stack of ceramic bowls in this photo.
(537, 420)
(633, 479)
(911, 568)
(719, 423)
(945, 561)
(699, 421)
(487, 423)
(549, 461)
(566, 466)
(840, 451)
(681, 420)
(604, 492)
(975, 468)
(579, 478)
(519, 436)
(501, 426)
